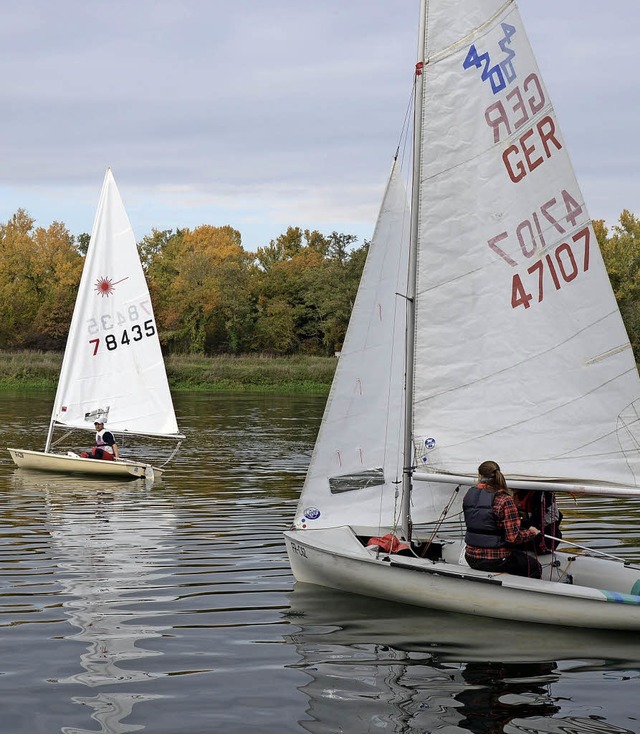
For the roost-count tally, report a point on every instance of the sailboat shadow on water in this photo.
(326, 617)
(485, 327)
(113, 370)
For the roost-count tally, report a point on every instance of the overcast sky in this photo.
(264, 114)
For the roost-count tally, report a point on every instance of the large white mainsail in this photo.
(521, 353)
(113, 366)
(357, 457)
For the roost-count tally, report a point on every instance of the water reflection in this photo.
(108, 542)
(496, 694)
(413, 670)
(178, 597)
(374, 687)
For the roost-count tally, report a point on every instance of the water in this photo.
(172, 610)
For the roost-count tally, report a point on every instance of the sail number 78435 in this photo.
(124, 327)
(135, 334)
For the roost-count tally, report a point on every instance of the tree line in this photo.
(211, 296)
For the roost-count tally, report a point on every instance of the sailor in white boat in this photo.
(106, 447)
(539, 509)
(494, 527)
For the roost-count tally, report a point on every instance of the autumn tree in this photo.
(200, 287)
(39, 274)
(209, 294)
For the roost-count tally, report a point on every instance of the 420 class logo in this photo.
(498, 75)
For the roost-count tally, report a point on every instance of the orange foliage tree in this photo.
(39, 273)
(210, 295)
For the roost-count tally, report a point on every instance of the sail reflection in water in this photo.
(400, 669)
(109, 551)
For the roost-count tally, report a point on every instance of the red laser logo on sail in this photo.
(105, 286)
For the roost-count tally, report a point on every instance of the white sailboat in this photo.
(485, 327)
(113, 369)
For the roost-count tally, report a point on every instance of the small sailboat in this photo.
(113, 370)
(485, 327)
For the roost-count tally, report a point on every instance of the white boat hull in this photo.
(604, 594)
(74, 464)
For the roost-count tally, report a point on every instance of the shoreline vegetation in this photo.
(35, 370)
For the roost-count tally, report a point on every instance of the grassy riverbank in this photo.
(39, 370)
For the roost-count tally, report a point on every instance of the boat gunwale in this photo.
(559, 589)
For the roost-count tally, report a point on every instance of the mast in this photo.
(47, 445)
(408, 452)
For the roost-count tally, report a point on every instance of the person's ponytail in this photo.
(490, 474)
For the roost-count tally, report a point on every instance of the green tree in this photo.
(152, 245)
(307, 284)
(621, 253)
(343, 279)
(200, 287)
(275, 329)
(82, 243)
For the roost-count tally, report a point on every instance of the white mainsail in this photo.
(521, 353)
(113, 366)
(358, 450)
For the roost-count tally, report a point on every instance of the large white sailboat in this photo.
(113, 369)
(485, 327)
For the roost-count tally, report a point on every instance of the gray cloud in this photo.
(268, 114)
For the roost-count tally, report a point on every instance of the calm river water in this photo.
(171, 609)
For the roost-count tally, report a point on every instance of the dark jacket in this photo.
(482, 530)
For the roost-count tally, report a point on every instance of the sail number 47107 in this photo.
(554, 269)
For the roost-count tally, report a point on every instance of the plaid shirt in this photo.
(507, 518)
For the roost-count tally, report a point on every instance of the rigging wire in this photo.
(173, 453)
(399, 158)
(440, 521)
(62, 438)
